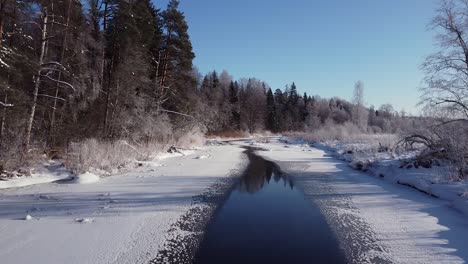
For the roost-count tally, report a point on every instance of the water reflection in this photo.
(261, 172)
(267, 220)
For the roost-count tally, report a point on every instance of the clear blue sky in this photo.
(322, 45)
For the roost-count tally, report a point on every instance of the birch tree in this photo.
(360, 113)
(445, 90)
(46, 70)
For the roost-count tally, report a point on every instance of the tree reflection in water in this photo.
(260, 172)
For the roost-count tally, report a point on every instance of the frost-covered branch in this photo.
(174, 112)
(52, 97)
(6, 105)
(60, 82)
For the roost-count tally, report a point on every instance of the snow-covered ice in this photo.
(120, 219)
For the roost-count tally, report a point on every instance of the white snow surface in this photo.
(50, 171)
(435, 181)
(86, 178)
(410, 226)
(120, 219)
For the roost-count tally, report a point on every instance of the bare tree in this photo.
(360, 113)
(445, 90)
(44, 71)
(446, 83)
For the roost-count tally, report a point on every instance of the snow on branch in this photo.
(6, 105)
(174, 112)
(52, 97)
(54, 63)
(2, 63)
(60, 82)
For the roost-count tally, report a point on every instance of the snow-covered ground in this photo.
(375, 220)
(118, 219)
(49, 171)
(399, 168)
(129, 218)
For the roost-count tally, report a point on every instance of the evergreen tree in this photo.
(293, 95)
(130, 35)
(177, 58)
(234, 102)
(271, 113)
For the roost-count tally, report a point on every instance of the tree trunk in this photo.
(166, 61)
(2, 15)
(57, 87)
(103, 53)
(37, 83)
(108, 98)
(3, 122)
(106, 81)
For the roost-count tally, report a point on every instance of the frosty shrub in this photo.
(350, 135)
(445, 142)
(195, 138)
(106, 155)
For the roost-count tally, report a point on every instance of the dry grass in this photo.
(350, 135)
(110, 155)
(228, 134)
(106, 156)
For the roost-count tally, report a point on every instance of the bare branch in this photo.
(52, 97)
(60, 82)
(174, 112)
(54, 63)
(6, 105)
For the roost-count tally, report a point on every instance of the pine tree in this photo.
(293, 95)
(271, 113)
(177, 58)
(130, 35)
(234, 102)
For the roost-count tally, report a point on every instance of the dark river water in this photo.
(266, 219)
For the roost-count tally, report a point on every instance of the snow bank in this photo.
(435, 181)
(174, 154)
(86, 178)
(122, 219)
(51, 171)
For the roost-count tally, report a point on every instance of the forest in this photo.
(77, 77)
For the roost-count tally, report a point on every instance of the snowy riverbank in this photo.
(118, 219)
(400, 168)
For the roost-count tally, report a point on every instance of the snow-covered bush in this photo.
(350, 135)
(107, 155)
(110, 155)
(195, 138)
(446, 142)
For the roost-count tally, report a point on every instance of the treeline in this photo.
(107, 68)
(123, 69)
(251, 105)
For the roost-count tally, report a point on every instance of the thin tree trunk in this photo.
(106, 81)
(166, 62)
(108, 97)
(57, 87)
(3, 122)
(52, 118)
(13, 22)
(2, 14)
(165, 66)
(37, 83)
(103, 53)
(112, 115)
